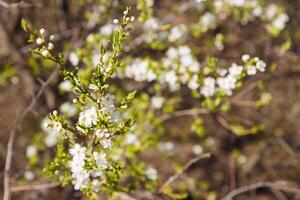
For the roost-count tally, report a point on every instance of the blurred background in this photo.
(253, 137)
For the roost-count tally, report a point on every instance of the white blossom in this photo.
(167, 147)
(251, 70)
(261, 66)
(29, 175)
(31, 151)
(227, 84)
(107, 29)
(106, 143)
(79, 174)
(197, 149)
(65, 86)
(45, 53)
(157, 102)
(88, 117)
(151, 173)
(131, 139)
(74, 59)
(235, 70)
(208, 89)
(96, 184)
(280, 21)
(139, 70)
(100, 159)
(193, 83)
(39, 41)
(151, 24)
(176, 33)
(237, 3)
(68, 109)
(245, 57)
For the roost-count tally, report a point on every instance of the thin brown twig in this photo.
(13, 130)
(184, 168)
(36, 186)
(272, 185)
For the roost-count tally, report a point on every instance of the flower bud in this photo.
(45, 53)
(42, 32)
(50, 46)
(39, 41)
(115, 21)
(51, 37)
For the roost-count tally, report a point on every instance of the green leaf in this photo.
(24, 25)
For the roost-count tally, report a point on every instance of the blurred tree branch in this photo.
(279, 185)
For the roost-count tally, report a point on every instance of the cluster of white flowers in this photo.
(207, 22)
(277, 18)
(228, 79)
(107, 102)
(52, 129)
(82, 177)
(79, 174)
(180, 63)
(41, 40)
(88, 117)
(177, 33)
(105, 138)
(271, 14)
(258, 65)
(139, 70)
(209, 87)
(228, 83)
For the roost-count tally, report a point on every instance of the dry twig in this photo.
(37, 186)
(12, 133)
(272, 185)
(184, 168)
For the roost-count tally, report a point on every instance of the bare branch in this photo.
(184, 168)
(280, 185)
(36, 186)
(13, 130)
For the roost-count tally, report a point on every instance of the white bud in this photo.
(45, 53)
(51, 37)
(55, 112)
(74, 101)
(125, 12)
(115, 21)
(42, 32)
(245, 57)
(132, 18)
(50, 46)
(39, 41)
(127, 19)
